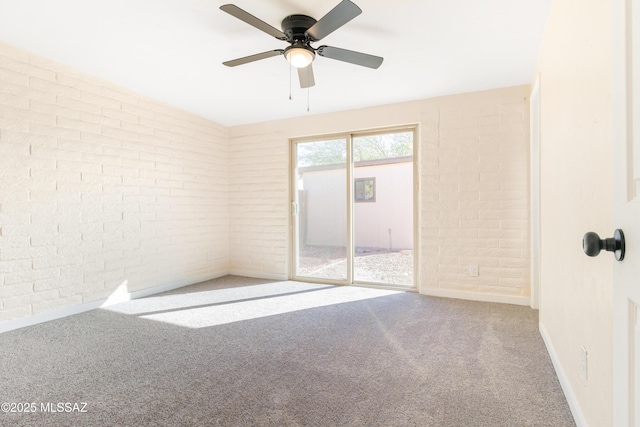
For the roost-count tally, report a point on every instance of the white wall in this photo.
(391, 210)
(101, 187)
(576, 197)
(326, 210)
(101, 190)
(258, 205)
(473, 158)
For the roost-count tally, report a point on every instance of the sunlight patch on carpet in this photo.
(223, 306)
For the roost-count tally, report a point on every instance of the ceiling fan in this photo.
(300, 31)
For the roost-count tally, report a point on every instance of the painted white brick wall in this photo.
(475, 198)
(100, 187)
(258, 205)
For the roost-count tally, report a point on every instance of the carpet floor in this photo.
(245, 352)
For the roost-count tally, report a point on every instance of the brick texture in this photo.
(475, 191)
(100, 187)
(258, 205)
(473, 157)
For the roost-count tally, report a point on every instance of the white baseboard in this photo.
(125, 296)
(175, 285)
(82, 308)
(472, 296)
(564, 381)
(259, 275)
(49, 315)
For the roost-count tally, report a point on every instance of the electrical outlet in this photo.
(583, 362)
(473, 270)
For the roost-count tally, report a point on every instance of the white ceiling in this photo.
(172, 50)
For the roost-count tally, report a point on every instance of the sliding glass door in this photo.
(383, 208)
(353, 208)
(320, 209)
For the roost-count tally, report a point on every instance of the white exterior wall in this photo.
(326, 204)
(326, 207)
(393, 208)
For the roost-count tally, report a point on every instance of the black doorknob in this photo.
(592, 244)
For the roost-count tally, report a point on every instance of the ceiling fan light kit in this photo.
(299, 57)
(300, 31)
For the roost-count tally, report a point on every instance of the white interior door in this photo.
(626, 144)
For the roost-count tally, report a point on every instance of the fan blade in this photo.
(350, 56)
(251, 58)
(344, 12)
(306, 76)
(234, 10)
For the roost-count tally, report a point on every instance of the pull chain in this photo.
(308, 91)
(290, 66)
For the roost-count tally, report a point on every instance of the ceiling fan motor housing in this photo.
(295, 26)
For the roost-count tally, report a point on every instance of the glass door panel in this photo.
(321, 206)
(353, 210)
(383, 208)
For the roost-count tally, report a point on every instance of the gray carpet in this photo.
(244, 352)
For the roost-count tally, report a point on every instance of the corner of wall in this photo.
(103, 189)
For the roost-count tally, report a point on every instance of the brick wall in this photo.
(474, 169)
(101, 188)
(258, 205)
(474, 204)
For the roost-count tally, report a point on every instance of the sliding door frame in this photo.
(350, 238)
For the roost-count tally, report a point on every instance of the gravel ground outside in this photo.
(371, 264)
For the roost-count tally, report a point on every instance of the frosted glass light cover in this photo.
(299, 57)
